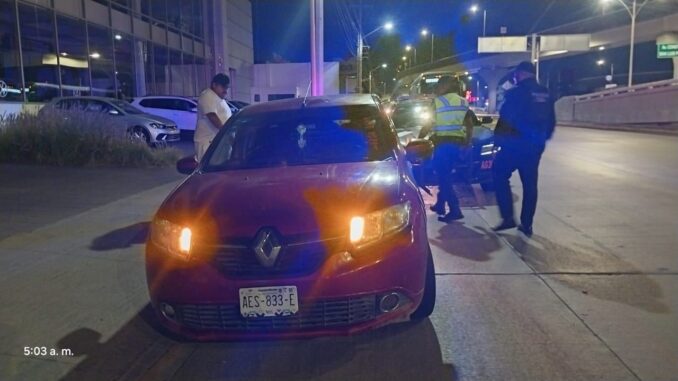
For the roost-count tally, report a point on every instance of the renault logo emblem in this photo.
(267, 246)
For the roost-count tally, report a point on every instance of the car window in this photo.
(97, 106)
(151, 103)
(182, 105)
(126, 107)
(305, 137)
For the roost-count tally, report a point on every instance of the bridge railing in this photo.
(648, 103)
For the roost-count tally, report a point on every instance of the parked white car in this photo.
(181, 110)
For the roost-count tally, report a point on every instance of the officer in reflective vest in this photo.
(451, 134)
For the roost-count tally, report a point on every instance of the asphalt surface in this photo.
(592, 296)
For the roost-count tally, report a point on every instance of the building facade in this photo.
(122, 48)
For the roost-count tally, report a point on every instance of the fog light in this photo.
(389, 302)
(167, 310)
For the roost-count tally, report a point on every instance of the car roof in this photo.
(88, 97)
(312, 102)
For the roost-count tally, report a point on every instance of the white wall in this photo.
(291, 78)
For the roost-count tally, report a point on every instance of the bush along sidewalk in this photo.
(75, 139)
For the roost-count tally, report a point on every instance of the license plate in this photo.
(486, 164)
(268, 301)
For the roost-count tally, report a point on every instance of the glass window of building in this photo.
(10, 69)
(201, 70)
(188, 73)
(123, 46)
(196, 20)
(176, 74)
(146, 55)
(161, 70)
(120, 5)
(159, 10)
(38, 48)
(73, 60)
(101, 61)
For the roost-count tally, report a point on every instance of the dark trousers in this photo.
(445, 156)
(525, 159)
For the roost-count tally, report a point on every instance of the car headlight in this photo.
(158, 126)
(487, 149)
(376, 225)
(173, 238)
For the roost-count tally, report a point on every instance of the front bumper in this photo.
(341, 297)
(165, 136)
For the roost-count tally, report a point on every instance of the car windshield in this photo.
(126, 107)
(303, 137)
(409, 114)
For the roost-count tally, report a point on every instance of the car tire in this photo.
(487, 187)
(428, 301)
(140, 134)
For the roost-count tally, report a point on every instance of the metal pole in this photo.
(432, 37)
(612, 71)
(484, 20)
(415, 56)
(370, 84)
(317, 47)
(21, 55)
(359, 60)
(632, 43)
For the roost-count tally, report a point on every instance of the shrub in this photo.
(75, 139)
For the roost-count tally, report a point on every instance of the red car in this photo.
(302, 219)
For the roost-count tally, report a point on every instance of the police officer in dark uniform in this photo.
(526, 122)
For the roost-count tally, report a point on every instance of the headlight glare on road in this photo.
(377, 225)
(174, 239)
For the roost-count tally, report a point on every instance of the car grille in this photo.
(293, 260)
(322, 314)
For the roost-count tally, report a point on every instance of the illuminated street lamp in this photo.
(633, 9)
(388, 26)
(474, 9)
(424, 33)
(382, 66)
(409, 48)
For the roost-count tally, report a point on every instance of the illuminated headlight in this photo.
(157, 126)
(173, 238)
(388, 110)
(487, 149)
(425, 115)
(376, 225)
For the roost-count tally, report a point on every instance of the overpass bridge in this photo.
(493, 68)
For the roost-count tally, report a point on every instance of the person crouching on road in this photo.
(526, 121)
(451, 133)
(213, 112)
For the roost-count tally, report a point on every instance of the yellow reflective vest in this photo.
(451, 111)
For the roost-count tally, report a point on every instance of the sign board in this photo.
(667, 50)
(503, 30)
(502, 44)
(568, 42)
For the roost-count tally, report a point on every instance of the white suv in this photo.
(181, 110)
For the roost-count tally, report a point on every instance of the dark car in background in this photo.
(414, 119)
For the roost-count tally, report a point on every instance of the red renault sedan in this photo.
(302, 219)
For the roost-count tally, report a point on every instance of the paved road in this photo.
(594, 295)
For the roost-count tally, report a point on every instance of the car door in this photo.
(185, 114)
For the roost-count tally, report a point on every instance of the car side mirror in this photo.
(418, 150)
(486, 120)
(113, 112)
(187, 165)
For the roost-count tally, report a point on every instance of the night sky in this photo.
(281, 27)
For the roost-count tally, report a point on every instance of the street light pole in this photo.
(633, 11)
(361, 38)
(484, 20)
(370, 75)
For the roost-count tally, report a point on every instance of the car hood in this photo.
(148, 118)
(315, 201)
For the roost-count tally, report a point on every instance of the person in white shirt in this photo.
(213, 112)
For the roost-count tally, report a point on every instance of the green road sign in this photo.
(667, 50)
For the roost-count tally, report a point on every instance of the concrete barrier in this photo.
(15, 108)
(647, 104)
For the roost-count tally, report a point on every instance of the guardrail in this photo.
(648, 103)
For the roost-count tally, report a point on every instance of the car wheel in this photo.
(140, 134)
(428, 302)
(487, 187)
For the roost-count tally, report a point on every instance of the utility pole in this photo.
(633, 11)
(317, 49)
(359, 62)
